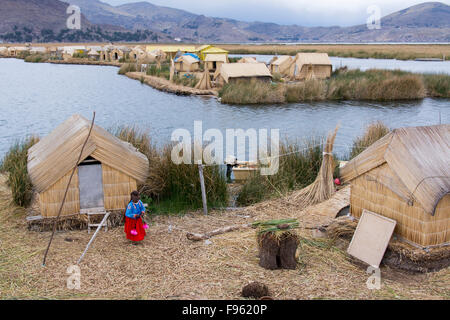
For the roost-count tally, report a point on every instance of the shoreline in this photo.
(304, 95)
(167, 86)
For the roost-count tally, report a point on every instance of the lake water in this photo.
(35, 98)
(364, 64)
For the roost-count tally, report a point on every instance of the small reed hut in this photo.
(248, 60)
(405, 176)
(109, 171)
(281, 65)
(120, 53)
(232, 72)
(214, 61)
(187, 63)
(308, 66)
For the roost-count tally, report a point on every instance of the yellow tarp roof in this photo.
(172, 48)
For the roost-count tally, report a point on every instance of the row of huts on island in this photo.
(193, 59)
(404, 176)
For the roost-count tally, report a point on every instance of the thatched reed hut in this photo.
(281, 65)
(110, 169)
(232, 72)
(137, 54)
(187, 63)
(308, 66)
(405, 176)
(93, 54)
(214, 61)
(119, 53)
(248, 60)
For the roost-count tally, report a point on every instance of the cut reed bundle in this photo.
(323, 187)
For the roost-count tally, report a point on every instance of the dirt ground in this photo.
(169, 266)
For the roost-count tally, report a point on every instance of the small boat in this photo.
(244, 170)
(429, 59)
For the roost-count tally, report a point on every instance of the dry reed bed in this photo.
(168, 266)
(384, 51)
(167, 86)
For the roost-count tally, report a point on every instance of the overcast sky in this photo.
(300, 12)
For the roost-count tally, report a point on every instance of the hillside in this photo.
(424, 22)
(143, 21)
(45, 21)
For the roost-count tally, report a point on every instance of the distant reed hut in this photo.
(205, 50)
(308, 66)
(4, 51)
(38, 50)
(214, 61)
(281, 65)
(232, 72)
(93, 55)
(119, 53)
(187, 63)
(15, 51)
(247, 60)
(405, 176)
(110, 169)
(137, 54)
(171, 50)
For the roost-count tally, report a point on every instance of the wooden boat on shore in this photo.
(244, 170)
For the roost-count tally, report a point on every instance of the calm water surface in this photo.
(35, 98)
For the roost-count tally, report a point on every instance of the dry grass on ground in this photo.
(168, 266)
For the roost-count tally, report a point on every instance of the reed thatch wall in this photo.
(117, 187)
(413, 222)
(50, 200)
(313, 72)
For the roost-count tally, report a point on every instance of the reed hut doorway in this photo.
(91, 184)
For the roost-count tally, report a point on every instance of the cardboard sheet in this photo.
(371, 238)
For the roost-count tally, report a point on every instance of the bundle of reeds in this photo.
(275, 226)
(323, 187)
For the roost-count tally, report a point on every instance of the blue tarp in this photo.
(188, 54)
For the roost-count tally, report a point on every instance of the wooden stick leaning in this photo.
(95, 235)
(67, 189)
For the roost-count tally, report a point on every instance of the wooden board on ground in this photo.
(371, 238)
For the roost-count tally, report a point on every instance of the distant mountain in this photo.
(424, 22)
(46, 21)
(143, 21)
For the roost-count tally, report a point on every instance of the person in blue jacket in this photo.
(134, 227)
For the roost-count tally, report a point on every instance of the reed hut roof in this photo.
(216, 57)
(186, 58)
(93, 53)
(248, 60)
(315, 58)
(244, 70)
(57, 153)
(280, 60)
(418, 161)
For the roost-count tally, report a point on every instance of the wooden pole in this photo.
(67, 188)
(202, 184)
(93, 237)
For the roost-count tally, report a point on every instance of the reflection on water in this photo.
(35, 98)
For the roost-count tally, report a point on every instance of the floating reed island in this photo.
(307, 75)
(296, 229)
